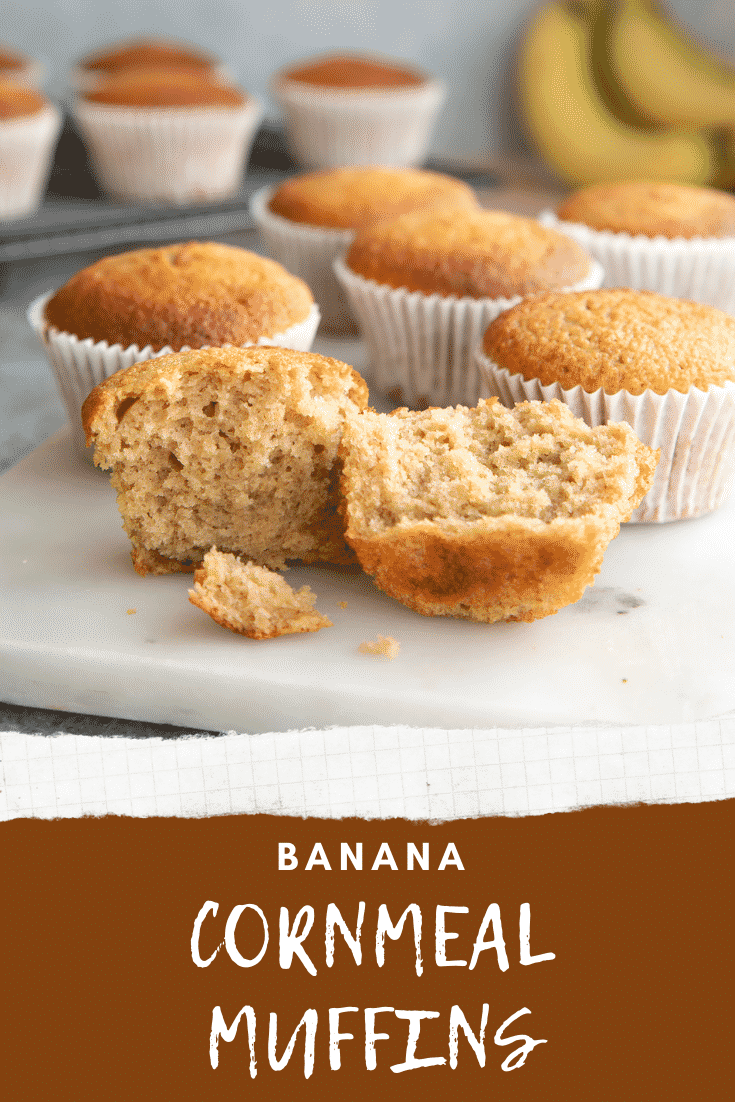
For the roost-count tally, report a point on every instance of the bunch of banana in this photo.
(614, 91)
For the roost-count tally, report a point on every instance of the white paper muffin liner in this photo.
(26, 148)
(695, 432)
(308, 252)
(79, 365)
(89, 80)
(700, 269)
(327, 128)
(421, 347)
(176, 155)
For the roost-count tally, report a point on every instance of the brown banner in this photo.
(601, 941)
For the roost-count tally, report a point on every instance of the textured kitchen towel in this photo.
(373, 772)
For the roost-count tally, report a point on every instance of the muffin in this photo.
(486, 513)
(226, 447)
(29, 127)
(309, 220)
(136, 305)
(144, 53)
(676, 239)
(666, 366)
(425, 286)
(354, 109)
(252, 600)
(18, 68)
(167, 136)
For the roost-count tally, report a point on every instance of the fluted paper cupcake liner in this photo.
(308, 252)
(89, 80)
(176, 155)
(26, 148)
(421, 347)
(694, 430)
(700, 269)
(328, 128)
(79, 365)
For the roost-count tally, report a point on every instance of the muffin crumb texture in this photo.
(251, 600)
(652, 209)
(473, 253)
(385, 646)
(615, 339)
(488, 513)
(233, 448)
(194, 294)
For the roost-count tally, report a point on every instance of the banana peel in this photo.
(572, 125)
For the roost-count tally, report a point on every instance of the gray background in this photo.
(469, 43)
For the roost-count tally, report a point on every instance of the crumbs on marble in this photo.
(132, 611)
(343, 604)
(385, 646)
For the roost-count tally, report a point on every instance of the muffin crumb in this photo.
(251, 600)
(385, 646)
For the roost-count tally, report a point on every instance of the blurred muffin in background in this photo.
(308, 221)
(356, 109)
(426, 285)
(19, 68)
(145, 53)
(672, 238)
(29, 127)
(167, 136)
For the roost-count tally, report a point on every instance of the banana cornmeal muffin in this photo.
(18, 101)
(226, 447)
(359, 71)
(165, 88)
(149, 53)
(652, 209)
(474, 253)
(353, 197)
(487, 513)
(252, 600)
(615, 340)
(192, 294)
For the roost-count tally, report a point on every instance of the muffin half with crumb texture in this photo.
(252, 600)
(226, 447)
(487, 513)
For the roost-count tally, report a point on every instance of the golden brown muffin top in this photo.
(137, 53)
(18, 101)
(475, 253)
(350, 198)
(617, 340)
(9, 59)
(193, 294)
(165, 88)
(354, 71)
(652, 209)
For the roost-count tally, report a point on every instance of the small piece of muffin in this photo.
(251, 600)
(474, 253)
(653, 209)
(615, 339)
(356, 71)
(385, 646)
(487, 513)
(29, 127)
(664, 365)
(193, 294)
(354, 197)
(226, 447)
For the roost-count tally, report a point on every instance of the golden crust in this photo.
(615, 339)
(475, 253)
(353, 71)
(165, 88)
(653, 209)
(17, 101)
(193, 294)
(226, 446)
(351, 198)
(138, 53)
(457, 561)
